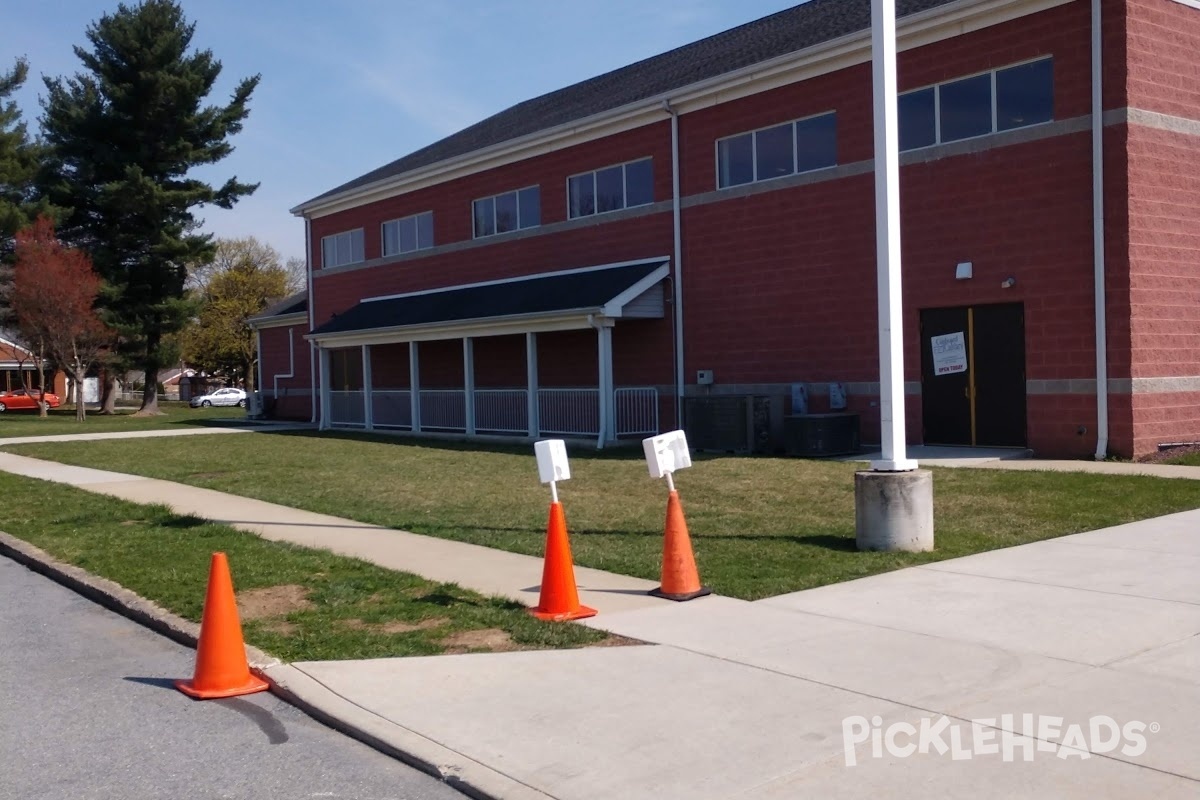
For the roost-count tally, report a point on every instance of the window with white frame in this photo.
(793, 147)
(1000, 100)
(408, 234)
(611, 189)
(506, 212)
(342, 248)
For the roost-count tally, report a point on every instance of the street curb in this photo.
(116, 597)
(470, 777)
(287, 682)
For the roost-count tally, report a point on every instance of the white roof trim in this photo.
(277, 320)
(518, 279)
(616, 306)
(913, 31)
(572, 319)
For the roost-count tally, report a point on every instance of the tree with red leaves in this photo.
(53, 296)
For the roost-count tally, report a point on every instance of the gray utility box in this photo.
(815, 435)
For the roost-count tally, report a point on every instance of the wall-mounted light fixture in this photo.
(964, 271)
(1008, 282)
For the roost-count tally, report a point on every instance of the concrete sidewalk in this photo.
(156, 434)
(749, 700)
(1020, 459)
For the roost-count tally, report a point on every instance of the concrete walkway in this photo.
(751, 700)
(153, 434)
(1019, 459)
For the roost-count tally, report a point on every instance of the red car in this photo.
(21, 400)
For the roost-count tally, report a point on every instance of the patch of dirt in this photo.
(128, 522)
(490, 639)
(1170, 453)
(272, 601)
(395, 626)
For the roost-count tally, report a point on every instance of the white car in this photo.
(221, 397)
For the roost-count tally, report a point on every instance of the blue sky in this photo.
(348, 86)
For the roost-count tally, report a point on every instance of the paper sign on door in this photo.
(949, 353)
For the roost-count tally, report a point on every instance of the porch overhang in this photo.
(557, 301)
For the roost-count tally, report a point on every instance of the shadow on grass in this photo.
(183, 522)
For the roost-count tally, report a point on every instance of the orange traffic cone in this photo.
(680, 579)
(559, 600)
(221, 668)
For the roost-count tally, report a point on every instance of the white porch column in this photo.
(531, 381)
(608, 432)
(469, 384)
(414, 386)
(326, 417)
(368, 404)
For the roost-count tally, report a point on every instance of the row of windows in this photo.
(611, 188)
(800, 146)
(511, 211)
(999, 100)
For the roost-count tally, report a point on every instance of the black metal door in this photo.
(998, 348)
(945, 389)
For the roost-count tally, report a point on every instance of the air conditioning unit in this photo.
(740, 424)
(816, 435)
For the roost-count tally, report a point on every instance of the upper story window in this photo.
(611, 188)
(1000, 100)
(800, 146)
(408, 234)
(342, 248)
(506, 212)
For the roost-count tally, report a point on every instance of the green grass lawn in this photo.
(1188, 460)
(310, 604)
(62, 420)
(760, 526)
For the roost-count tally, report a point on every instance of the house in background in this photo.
(17, 369)
(701, 224)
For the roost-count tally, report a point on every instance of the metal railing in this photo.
(391, 408)
(561, 412)
(443, 409)
(636, 410)
(502, 411)
(346, 409)
(569, 412)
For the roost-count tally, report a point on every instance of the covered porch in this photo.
(527, 357)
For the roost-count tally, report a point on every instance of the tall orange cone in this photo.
(221, 667)
(559, 600)
(680, 578)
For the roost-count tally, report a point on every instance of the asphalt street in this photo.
(87, 710)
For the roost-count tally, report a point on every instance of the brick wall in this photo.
(293, 400)
(1163, 68)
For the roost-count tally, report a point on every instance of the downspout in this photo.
(259, 367)
(312, 351)
(676, 278)
(1098, 236)
(591, 320)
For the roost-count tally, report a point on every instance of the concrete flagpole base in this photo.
(894, 510)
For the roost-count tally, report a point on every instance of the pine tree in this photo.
(19, 159)
(124, 136)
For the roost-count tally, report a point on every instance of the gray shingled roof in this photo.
(535, 294)
(786, 32)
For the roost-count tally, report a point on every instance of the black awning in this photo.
(583, 290)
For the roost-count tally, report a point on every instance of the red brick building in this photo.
(701, 223)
